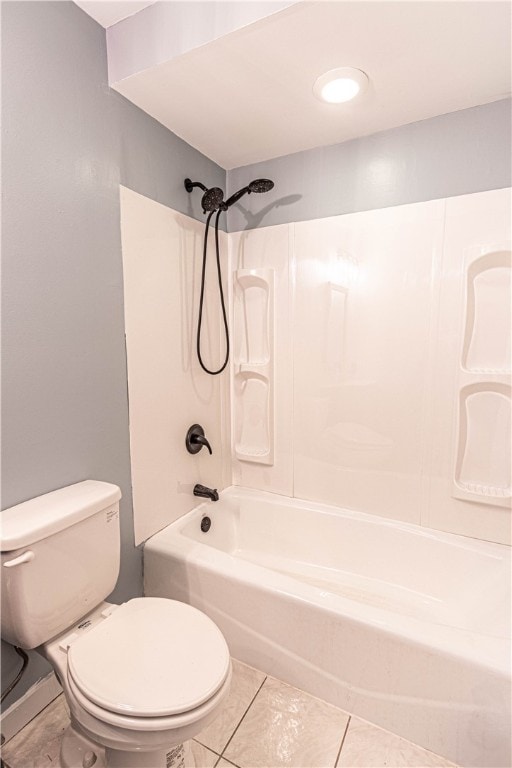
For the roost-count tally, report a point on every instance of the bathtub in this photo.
(406, 627)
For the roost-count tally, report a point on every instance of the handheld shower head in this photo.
(258, 185)
(261, 185)
(236, 197)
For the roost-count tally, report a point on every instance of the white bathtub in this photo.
(406, 627)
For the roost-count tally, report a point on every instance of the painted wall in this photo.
(68, 142)
(454, 154)
(168, 391)
(392, 380)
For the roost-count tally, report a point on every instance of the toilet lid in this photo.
(151, 657)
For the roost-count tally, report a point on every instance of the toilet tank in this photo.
(59, 560)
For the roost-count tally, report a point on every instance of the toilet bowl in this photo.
(140, 678)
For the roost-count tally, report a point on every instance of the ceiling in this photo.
(108, 12)
(247, 96)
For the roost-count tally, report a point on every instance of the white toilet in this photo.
(140, 678)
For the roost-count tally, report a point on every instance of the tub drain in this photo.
(205, 524)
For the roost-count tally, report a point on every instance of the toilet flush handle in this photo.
(26, 557)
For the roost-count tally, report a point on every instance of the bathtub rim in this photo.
(489, 548)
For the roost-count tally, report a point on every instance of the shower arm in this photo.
(189, 185)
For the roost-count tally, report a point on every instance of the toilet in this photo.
(140, 678)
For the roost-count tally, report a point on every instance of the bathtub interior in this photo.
(436, 577)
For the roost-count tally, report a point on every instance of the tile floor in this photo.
(264, 724)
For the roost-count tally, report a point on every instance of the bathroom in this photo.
(360, 431)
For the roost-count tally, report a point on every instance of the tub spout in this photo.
(207, 493)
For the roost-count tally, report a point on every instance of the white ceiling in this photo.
(247, 96)
(108, 12)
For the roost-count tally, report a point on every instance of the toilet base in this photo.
(77, 751)
(179, 756)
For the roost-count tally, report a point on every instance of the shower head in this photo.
(261, 185)
(212, 199)
(258, 185)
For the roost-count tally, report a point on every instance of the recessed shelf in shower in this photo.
(253, 381)
(486, 344)
(482, 455)
(483, 460)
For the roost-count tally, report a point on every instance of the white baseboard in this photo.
(29, 705)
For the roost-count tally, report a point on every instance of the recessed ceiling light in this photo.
(339, 85)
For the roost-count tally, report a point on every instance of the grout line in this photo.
(204, 745)
(208, 748)
(196, 739)
(242, 718)
(342, 741)
(227, 761)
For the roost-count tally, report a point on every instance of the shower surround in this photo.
(370, 361)
(391, 340)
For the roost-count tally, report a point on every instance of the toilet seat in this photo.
(152, 659)
(149, 724)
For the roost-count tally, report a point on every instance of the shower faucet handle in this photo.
(195, 439)
(201, 440)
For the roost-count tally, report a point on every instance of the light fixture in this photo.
(339, 85)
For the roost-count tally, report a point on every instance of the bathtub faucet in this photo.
(207, 493)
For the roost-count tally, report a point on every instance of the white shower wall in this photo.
(368, 365)
(371, 324)
(168, 392)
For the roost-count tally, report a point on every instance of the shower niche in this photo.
(253, 365)
(487, 332)
(483, 434)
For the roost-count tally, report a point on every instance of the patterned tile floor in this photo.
(264, 724)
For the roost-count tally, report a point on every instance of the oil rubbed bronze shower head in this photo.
(261, 185)
(213, 199)
(258, 185)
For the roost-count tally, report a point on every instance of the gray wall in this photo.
(454, 154)
(68, 142)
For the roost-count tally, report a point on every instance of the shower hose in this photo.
(221, 292)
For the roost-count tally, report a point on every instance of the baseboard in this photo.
(29, 705)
